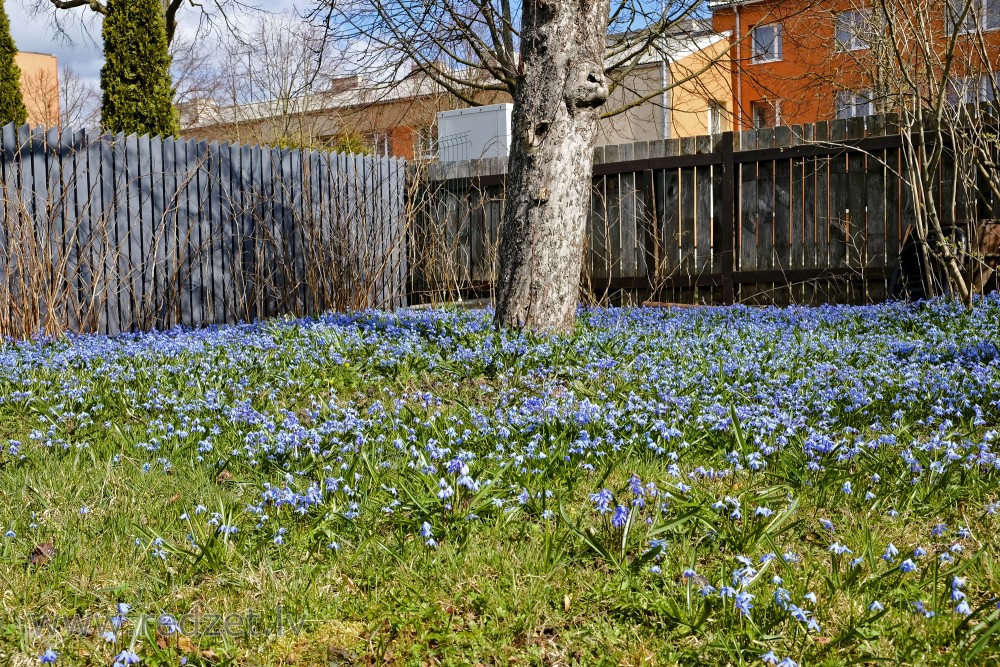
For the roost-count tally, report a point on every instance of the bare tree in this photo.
(64, 100)
(41, 97)
(215, 13)
(559, 60)
(194, 68)
(79, 101)
(931, 63)
(259, 87)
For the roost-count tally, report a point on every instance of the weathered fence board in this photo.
(803, 214)
(122, 233)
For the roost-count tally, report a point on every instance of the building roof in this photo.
(726, 4)
(691, 37)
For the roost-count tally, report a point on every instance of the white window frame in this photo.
(850, 102)
(380, 142)
(857, 24)
(776, 45)
(425, 143)
(716, 116)
(977, 20)
(972, 89)
(769, 107)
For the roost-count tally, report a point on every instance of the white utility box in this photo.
(475, 133)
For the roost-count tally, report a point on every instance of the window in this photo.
(765, 114)
(973, 89)
(767, 43)
(380, 143)
(424, 143)
(716, 114)
(852, 30)
(972, 15)
(855, 104)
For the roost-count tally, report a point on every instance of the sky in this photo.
(80, 48)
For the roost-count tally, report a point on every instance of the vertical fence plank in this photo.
(78, 181)
(149, 242)
(688, 222)
(200, 222)
(167, 222)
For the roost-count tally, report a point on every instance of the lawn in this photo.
(723, 486)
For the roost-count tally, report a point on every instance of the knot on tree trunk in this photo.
(587, 87)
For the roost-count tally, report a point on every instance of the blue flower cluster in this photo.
(715, 441)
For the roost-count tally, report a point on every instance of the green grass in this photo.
(539, 575)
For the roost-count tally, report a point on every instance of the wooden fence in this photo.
(801, 214)
(121, 233)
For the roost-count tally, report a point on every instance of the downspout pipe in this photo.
(738, 115)
(664, 128)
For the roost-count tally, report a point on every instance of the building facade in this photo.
(40, 87)
(803, 61)
(401, 119)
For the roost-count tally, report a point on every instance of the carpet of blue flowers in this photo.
(721, 485)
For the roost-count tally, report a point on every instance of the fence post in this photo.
(727, 219)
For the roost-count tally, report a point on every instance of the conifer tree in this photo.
(12, 109)
(135, 79)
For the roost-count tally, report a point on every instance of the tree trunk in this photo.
(555, 119)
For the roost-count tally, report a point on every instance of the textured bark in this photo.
(560, 87)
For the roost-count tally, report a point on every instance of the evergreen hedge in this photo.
(12, 109)
(135, 79)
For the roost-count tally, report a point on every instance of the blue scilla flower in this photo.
(875, 606)
(126, 658)
(620, 517)
(425, 530)
(49, 657)
(168, 624)
(769, 658)
(890, 553)
(839, 549)
(602, 500)
(907, 566)
(782, 597)
(743, 603)
(827, 524)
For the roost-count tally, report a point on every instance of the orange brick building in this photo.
(40, 87)
(802, 61)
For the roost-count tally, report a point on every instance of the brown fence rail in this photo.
(802, 214)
